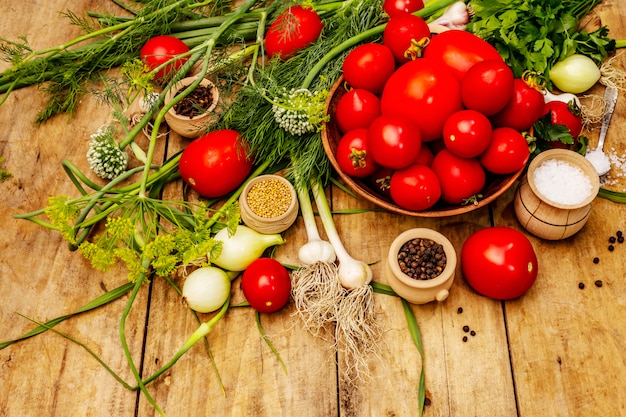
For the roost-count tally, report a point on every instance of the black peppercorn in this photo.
(598, 283)
(459, 310)
(581, 285)
(620, 239)
(612, 239)
(466, 329)
(611, 248)
(596, 260)
(465, 338)
(473, 333)
(619, 233)
(422, 259)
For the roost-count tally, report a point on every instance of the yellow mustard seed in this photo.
(269, 198)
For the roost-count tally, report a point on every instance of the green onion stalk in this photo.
(287, 98)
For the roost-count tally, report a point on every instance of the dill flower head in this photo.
(300, 111)
(105, 157)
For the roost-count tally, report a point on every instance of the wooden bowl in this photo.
(414, 290)
(495, 186)
(263, 224)
(548, 219)
(191, 127)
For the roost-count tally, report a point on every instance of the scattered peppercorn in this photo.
(620, 239)
(581, 285)
(612, 239)
(598, 283)
(473, 333)
(611, 248)
(459, 310)
(596, 260)
(466, 329)
(465, 338)
(619, 233)
(422, 259)
(426, 401)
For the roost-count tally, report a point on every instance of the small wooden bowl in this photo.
(495, 186)
(414, 290)
(548, 219)
(268, 225)
(191, 127)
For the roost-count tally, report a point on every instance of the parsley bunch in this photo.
(536, 34)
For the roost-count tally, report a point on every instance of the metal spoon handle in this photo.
(610, 96)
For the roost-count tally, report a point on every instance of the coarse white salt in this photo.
(562, 182)
(599, 160)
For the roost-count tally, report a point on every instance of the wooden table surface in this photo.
(557, 351)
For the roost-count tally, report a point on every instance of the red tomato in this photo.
(461, 178)
(294, 29)
(216, 163)
(563, 114)
(403, 34)
(266, 285)
(353, 155)
(381, 180)
(357, 109)
(425, 157)
(499, 262)
(369, 66)
(395, 7)
(415, 188)
(394, 141)
(467, 133)
(459, 50)
(523, 109)
(424, 91)
(507, 153)
(487, 86)
(161, 49)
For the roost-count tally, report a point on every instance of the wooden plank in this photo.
(455, 370)
(567, 343)
(41, 278)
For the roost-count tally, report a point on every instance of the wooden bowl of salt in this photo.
(553, 200)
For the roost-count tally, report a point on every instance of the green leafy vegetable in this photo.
(536, 34)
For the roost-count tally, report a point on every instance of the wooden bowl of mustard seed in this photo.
(269, 204)
(421, 265)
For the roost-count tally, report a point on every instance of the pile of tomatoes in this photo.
(428, 118)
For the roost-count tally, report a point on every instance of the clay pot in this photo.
(191, 127)
(414, 290)
(548, 219)
(262, 223)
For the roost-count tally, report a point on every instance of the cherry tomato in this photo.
(424, 91)
(369, 66)
(402, 33)
(487, 86)
(425, 157)
(467, 133)
(507, 153)
(215, 163)
(381, 180)
(415, 187)
(523, 109)
(394, 141)
(459, 50)
(353, 155)
(499, 262)
(266, 285)
(357, 109)
(564, 114)
(294, 29)
(460, 178)
(396, 7)
(159, 50)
